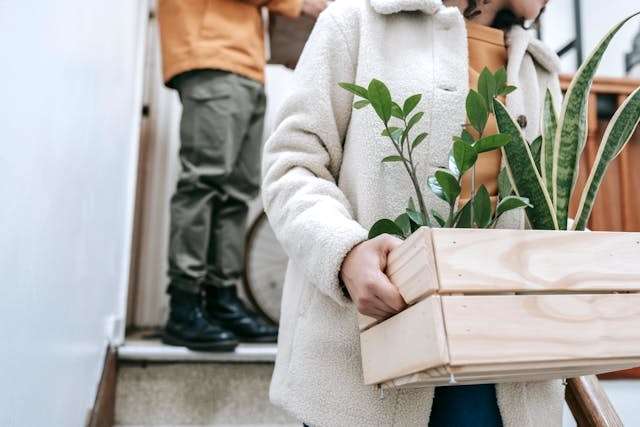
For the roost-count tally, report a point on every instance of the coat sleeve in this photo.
(310, 215)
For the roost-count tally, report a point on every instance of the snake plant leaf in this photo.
(536, 152)
(571, 135)
(489, 143)
(404, 222)
(504, 184)
(549, 128)
(410, 103)
(441, 221)
(380, 98)
(355, 89)
(527, 182)
(384, 226)
(464, 156)
(482, 208)
(510, 203)
(616, 136)
(449, 184)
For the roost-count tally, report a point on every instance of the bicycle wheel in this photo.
(265, 267)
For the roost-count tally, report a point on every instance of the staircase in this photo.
(160, 385)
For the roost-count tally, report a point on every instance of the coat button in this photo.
(522, 121)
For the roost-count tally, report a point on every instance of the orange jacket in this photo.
(217, 34)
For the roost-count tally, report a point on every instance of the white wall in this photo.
(70, 84)
(597, 18)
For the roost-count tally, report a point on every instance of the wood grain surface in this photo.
(492, 261)
(411, 341)
(532, 328)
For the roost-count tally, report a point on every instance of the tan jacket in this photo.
(217, 34)
(324, 186)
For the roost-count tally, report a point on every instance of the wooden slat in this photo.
(411, 341)
(589, 403)
(492, 261)
(539, 328)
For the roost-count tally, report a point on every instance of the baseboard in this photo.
(103, 413)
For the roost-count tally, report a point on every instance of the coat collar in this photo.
(387, 7)
(517, 37)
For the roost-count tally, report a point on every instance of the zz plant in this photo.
(398, 122)
(539, 176)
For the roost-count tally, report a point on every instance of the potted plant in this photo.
(536, 287)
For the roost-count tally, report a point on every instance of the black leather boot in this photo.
(223, 306)
(188, 327)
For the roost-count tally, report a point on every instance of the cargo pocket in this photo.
(206, 123)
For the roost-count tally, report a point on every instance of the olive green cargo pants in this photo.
(220, 154)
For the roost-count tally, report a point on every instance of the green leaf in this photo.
(394, 158)
(492, 142)
(355, 89)
(404, 223)
(361, 104)
(384, 226)
(441, 222)
(476, 111)
(536, 153)
(463, 217)
(526, 180)
(487, 87)
(396, 111)
(411, 205)
(410, 103)
(380, 99)
(449, 185)
(504, 184)
(464, 155)
(500, 77)
(507, 90)
(467, 137)
(482, 208)
(549, 128)
(415, 216)
(512, 202)
(419, 139)
(437, 189)
(453, 167)
(389, 131)
(572, 128)
(414, 119)
(619, 130)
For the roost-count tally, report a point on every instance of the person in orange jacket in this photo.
(214, 56)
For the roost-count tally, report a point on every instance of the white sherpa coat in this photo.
(324, 185)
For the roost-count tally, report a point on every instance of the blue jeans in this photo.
(465, 406)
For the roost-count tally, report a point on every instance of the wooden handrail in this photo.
(589, 403)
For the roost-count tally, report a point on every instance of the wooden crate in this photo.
(489, 306)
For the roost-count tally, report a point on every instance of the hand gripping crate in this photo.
(491, 306)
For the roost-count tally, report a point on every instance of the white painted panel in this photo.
(70, 86)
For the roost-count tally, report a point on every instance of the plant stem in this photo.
(408, 165)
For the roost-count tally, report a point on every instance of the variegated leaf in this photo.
(549, 128)
(616, 136)
(572, 128)
(526, 182)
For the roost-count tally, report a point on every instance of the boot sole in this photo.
(216, 346)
